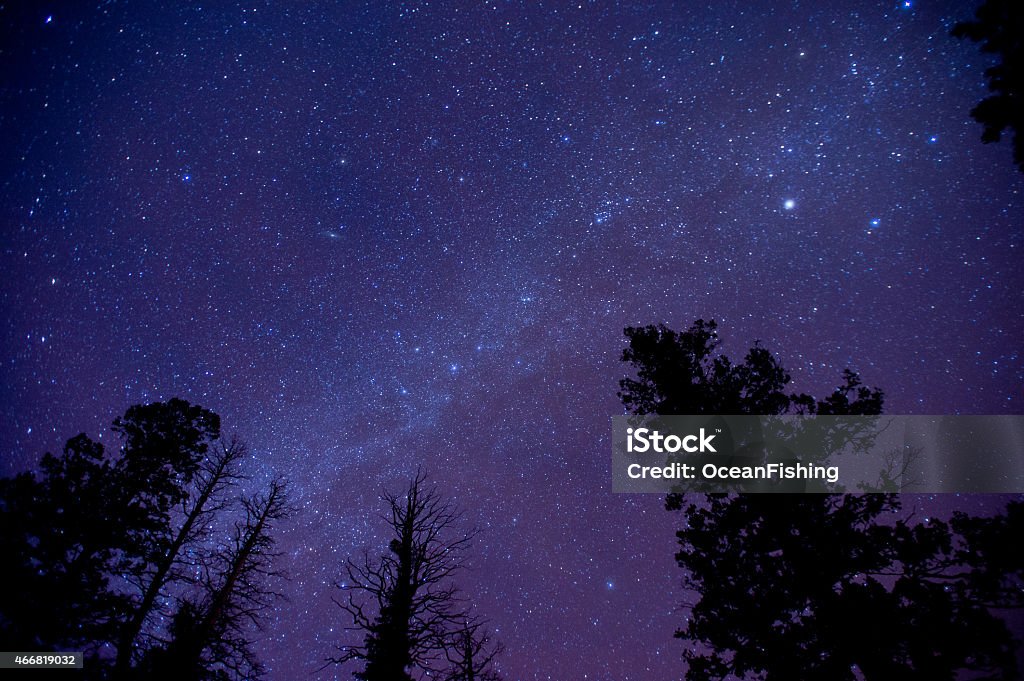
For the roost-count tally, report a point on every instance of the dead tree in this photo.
(405, 604)
(210, 634)
(216, 474)
(471, 652)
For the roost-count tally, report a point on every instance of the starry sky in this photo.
(375, 236)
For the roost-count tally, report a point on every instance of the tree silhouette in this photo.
(470, 653)
(999, 27)
(829, 587)
(59, 536)
(102, 545)
(993, 556)
(214, 476)
(818, 586)
(405, 604)
(683, 373)
(163, 447)
(209, 633)
(89, 516)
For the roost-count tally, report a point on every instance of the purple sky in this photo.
(383, 235)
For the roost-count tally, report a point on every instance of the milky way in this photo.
(381, 236)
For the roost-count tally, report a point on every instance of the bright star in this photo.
(789, 204)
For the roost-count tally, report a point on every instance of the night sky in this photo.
(376, 236)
